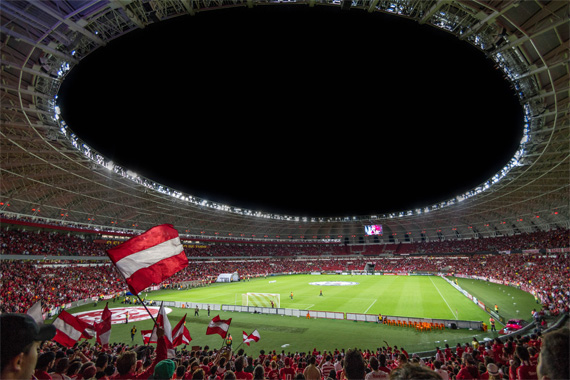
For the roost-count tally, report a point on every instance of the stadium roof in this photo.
(49, 172)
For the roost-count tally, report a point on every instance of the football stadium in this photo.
(308, 189)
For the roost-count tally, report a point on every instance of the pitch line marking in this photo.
(444, 300)
(370, 306)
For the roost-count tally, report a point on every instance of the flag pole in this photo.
(139, 298)
(147, 310)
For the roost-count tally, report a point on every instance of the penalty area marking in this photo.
(444, 300)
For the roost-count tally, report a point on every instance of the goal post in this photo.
(261, 299)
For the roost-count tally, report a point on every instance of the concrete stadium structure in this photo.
(49, 174)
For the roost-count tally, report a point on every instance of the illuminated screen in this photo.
(375, 229)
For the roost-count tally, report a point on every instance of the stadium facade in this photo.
(49, 174)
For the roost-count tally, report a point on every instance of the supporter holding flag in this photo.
(149, 258)
(218, 326)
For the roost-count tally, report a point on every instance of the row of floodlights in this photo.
(95, 157)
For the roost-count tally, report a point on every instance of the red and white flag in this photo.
(180, 334)
(103, 328)
(149, 258)
(253, 337)
(218, 326)
(162, 321)
(146, 336)
(69, 329)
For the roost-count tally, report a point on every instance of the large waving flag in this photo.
(149, 258)
(103, 328)
(218, 326)
(180, 334)
(253, 337)
(69, 329)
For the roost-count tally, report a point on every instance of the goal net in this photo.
(260, 299)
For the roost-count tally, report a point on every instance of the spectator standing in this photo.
(240, 373)
(312, 372)
(526, 371)
(287, 372)
(44, 365)
(376, 373)
(326, 366)
(354, 366)
(439, 370)
(469, 371)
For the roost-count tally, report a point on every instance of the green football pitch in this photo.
(410, 296)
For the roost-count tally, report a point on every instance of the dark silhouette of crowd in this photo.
(521, 357)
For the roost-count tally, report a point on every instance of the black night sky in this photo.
(297, 110)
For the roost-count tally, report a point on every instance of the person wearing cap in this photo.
(492, 372)
(20, 339)
(164, 370)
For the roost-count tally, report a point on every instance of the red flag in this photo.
(69, 329)
(180, 334)
(186, 338)
(149, 258)
(253, 337)
(146, 335)
(103, 328)
(219, 326)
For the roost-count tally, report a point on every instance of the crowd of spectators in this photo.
(23, 282)
(518, 358)
(22, 242)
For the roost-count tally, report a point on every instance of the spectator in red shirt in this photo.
(127, 362)
(44, 365)
(469, 371)
(526, 371)
(240, 373)
(287, 373)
